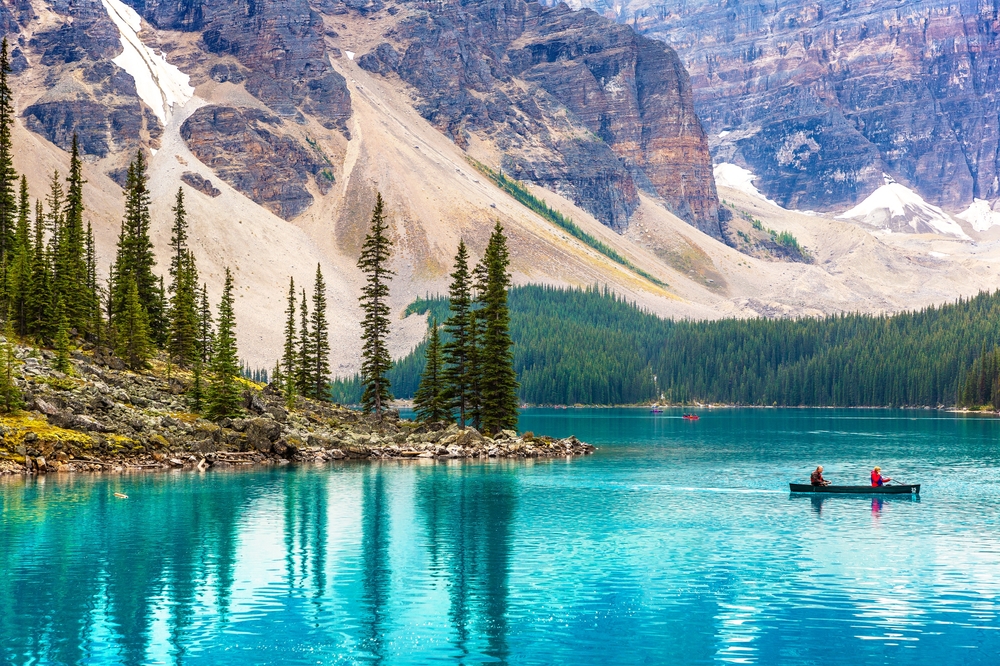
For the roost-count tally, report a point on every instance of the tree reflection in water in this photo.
(468, 511)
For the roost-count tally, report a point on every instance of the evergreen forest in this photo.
(589, 346)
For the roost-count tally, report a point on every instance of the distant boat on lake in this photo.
(690, 417)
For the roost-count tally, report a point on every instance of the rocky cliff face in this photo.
(568, 100)
(820, 99)
(248, 150)
(572, 102)
(280, 42)
(85, 93)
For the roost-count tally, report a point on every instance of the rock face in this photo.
(820, 99)
(248, 150)
(87, 94)
(279, 45)
(200, 183)
(573, 102)
(569, 100)
(280, 42)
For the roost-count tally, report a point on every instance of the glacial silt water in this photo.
(676, 543)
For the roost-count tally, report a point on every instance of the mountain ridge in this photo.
(434, 198)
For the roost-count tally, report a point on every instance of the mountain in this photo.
(820, 99)
(281, 120)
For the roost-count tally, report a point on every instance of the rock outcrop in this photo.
(87, 94)
(279, 42)
(572, 101)
(820, 99)
(248, 150)
(102, 418)
(200, 183)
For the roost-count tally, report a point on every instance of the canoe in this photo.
(912, 489)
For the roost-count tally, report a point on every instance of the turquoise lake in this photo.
(676, 543)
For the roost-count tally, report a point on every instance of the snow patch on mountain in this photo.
(159, 84)
(737, 178)
(895, 207)
(980, 216)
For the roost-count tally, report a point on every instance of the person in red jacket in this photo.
(878, 479)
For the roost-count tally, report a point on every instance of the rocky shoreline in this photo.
(102, 418)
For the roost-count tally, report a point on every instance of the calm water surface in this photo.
(677, 543)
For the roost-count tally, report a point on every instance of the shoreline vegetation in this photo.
(101, 417)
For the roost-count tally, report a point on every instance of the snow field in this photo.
(160, 85)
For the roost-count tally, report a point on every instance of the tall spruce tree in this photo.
(479, 281)
(457, 377)
(474, 403)
(69, 261)
(8, 177)
(205, 331)
(183, 339)
(135, 250)
(499, 381)
(94, 289)
(62, 343)
(20, 273)
(11, 398)
(289, 357)
(224, 397)
(131, 327)
(376, 361)
(304, 380)
(39, 300)
(178, 239)
(320, 340)
(431, 400)
(182, 311)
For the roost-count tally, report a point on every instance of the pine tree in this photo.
(55, 202)
(11, 397)
(205, 333)
(457, 378)
(277, 377)
(69, 262)
(304, 381)
(288, 357)
(132, 329)
(178, 240)
(8, 177)
(182, 310)
(62, 345)
(430, 400)
(475, 370)
(224, 396)
(134, 256)
(38, 303)
(20, 273)
(183, 339)
(96, 324)
(320, 341)
(374, 259)
(499, 381)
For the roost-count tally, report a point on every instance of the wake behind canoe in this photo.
(912, 489)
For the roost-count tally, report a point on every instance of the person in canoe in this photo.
(816, 478)
(878, 479)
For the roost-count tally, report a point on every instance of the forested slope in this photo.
(591, 347)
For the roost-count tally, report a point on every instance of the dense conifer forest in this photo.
(589, 346)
